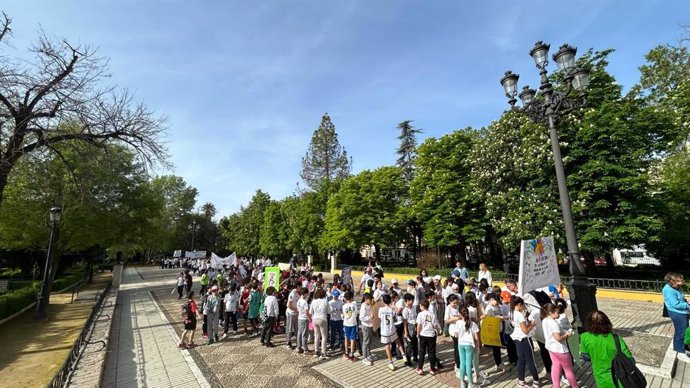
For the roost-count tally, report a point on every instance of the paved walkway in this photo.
(143, 351)
(241, 362)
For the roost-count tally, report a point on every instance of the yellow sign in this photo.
(490, 331)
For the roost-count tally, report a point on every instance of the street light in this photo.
(42, 303)
(546, 110)
(193, 233)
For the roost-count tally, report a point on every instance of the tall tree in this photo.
(326, 160)
(407, 151)
(64, 84)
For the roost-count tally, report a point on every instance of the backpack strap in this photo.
(618, 343)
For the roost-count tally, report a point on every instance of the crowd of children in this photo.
(336, 318)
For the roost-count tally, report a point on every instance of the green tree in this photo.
(365, 211)
(244, 227)
(407, 150)
(275, 230)
(326, 160)
(442, 193)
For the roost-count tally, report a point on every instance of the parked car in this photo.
(633, 257)
(600, 262)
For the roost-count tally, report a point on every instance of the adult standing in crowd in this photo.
(484, 273)
(460, 272)
(678, 310)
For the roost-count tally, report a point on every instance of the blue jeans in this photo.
(680, 324)
(336, 327)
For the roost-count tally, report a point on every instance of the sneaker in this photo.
(288, 347)
(270, 345)
(399, 357)
(225, 335)
(564, 381)
(457, 373)
(391, 366)
(211, 341)
(300, 350)
(499, 369)
(373, 357)
(181, 345)
(367, 362)
(522, 384)
(536, 384)
(485, 383)
(432, 372)
(216, 338)
(683, 357)
(418, 370)
(234, 332)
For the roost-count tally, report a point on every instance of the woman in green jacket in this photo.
(600, 345)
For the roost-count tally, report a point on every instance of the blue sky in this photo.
(244, 83)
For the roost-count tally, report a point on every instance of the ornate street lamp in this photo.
(42, 303)
(193, 233)
(546, 110)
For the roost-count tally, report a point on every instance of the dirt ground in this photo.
(33, 351)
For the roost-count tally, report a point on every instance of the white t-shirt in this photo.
(409, 315)
(318, 309)
(464, 336)
(451, 312)
(551, 326)
(294, 298)
(365, 315)
(400, 305)
(428, 322)
(473, 313)
(231, 299)
(518, 318)
(378, 293)
(387, 317)
(336, 309)
(302, 308)
(350, 314)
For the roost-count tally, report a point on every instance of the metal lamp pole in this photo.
(42, 303)
(546, 110)
(193, 233)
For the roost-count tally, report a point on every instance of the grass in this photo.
(34, 350)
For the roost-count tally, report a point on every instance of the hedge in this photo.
(15, 301)
(67, 280)
(18, 284)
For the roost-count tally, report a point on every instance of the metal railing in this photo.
(62, 376)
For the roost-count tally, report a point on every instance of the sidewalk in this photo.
(142, 350)
(28, 343)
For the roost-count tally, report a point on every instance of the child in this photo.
(450, 318)
(181, 281)
(398, 304)
(475, 310)
(335, 307)
(302, 321)
(350, 326)
(253, 311)
(468, 342)
(244, 304)
(409, 316)
(212, 308)
(431, 297)
(388, 334)
(190, 313)
(508, 327)
(493, 310)
(524, 329)
(426, 332)
(231, 300)
(365, 315)
(557, 346)
(291, 314)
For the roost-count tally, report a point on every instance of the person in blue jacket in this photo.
(678, 310)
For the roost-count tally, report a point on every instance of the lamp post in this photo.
(42, 303)
(547, 110)
(193, 233)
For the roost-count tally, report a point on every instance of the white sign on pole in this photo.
(219, 262)
(538, 265)
(177, 253)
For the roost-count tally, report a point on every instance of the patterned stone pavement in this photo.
(241, 362)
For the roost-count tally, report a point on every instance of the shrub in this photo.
(17, 284)
(14, 301)
(67, 280)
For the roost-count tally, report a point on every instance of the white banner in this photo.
(538, 265)
(195, 254)
(218, 262)
(177, 253)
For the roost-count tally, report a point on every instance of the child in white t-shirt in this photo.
(555, 338)
(388, 333)
(426, 333)
(350, 325)
(468, 344)
(302, 321)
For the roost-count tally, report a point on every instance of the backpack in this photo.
(541, 297)
(187, 310)
(623, 370)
